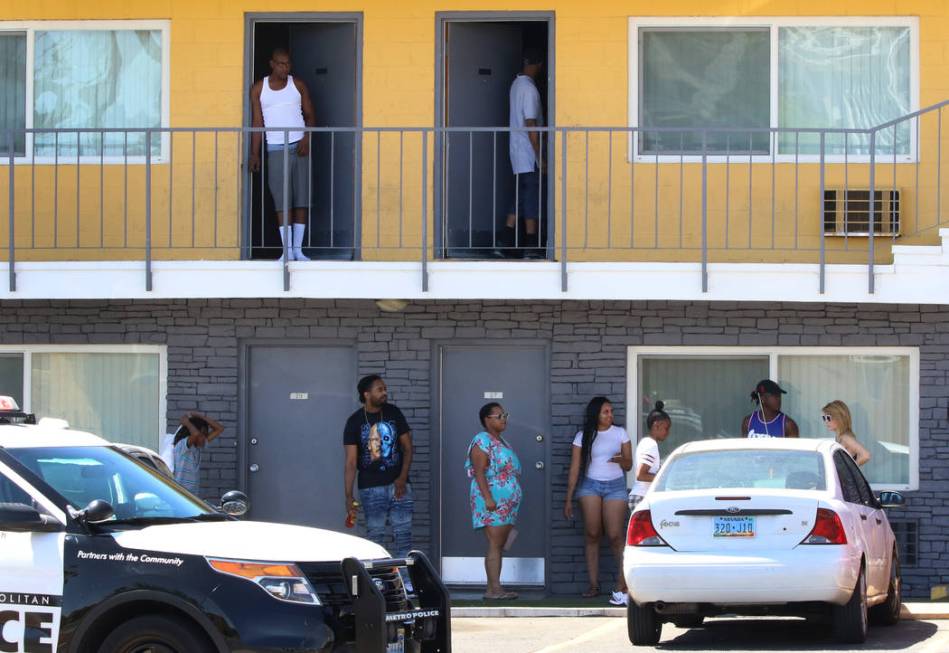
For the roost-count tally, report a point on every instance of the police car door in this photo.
(31, 567)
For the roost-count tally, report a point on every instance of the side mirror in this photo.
(21, 518)
(96, 512)
(235, 503)
(892, 500)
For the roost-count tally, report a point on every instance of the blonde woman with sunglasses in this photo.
(836, 417)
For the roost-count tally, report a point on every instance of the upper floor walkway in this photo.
(625, 213)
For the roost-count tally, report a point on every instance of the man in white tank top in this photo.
(280, 100)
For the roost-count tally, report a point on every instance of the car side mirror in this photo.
(235, 503)
(96, 512)
(892, 500)
(21, 518)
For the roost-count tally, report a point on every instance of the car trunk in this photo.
(733, 520)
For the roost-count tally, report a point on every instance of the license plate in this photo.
(734, 527)
(398, 646)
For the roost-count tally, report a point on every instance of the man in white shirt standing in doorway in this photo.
(280, 100)
(526, 160)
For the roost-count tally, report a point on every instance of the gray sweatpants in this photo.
(298, 178)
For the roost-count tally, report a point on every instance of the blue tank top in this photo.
(774, 428)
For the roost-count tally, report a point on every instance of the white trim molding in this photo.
(919, 274)
(634, 390)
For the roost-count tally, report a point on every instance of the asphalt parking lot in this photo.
(608, 635)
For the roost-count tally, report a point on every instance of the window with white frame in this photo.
(88, 75)
(706, 391)
(116, 392)
(831, 73)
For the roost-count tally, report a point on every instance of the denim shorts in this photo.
(613, 490)
(526, 203)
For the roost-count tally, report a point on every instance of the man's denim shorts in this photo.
(613, 490)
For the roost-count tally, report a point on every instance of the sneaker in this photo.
(298, 255)
(619, 598)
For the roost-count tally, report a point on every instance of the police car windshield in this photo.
(135, 492)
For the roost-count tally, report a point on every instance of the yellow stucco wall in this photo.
(207, 85)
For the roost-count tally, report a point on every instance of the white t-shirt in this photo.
(525, 105)
(607, 444)
(647, 453)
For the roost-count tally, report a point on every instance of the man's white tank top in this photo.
(283, 108)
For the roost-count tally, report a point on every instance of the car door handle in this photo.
(863, 517)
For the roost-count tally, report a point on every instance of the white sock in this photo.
(285, 241)
(298, 230)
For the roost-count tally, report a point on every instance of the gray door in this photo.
(482, 61)
(298, 400)
(324, 56)
(516, 377)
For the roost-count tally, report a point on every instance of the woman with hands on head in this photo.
(495, 494)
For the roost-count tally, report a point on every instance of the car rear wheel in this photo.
(850, 620)
(643, 624)
(689, 621)
(156, 634)
(888, 612)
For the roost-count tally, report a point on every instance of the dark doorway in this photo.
(325, 55)
(479, 61)
(298, 399)
(515, 376)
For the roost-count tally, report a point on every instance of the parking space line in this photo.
(570, 645)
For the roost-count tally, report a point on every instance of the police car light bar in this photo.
(10, 412)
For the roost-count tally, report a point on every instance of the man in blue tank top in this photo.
(767, 420)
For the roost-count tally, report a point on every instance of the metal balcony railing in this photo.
(623, 194)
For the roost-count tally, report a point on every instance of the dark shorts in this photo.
(526, 201)
(298, 178)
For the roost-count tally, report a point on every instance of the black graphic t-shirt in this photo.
(376, 436)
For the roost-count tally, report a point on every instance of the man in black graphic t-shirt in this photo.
(378, 444)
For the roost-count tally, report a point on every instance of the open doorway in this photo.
(479, 56)
(325, 52)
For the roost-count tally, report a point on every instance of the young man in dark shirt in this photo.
(378, 443)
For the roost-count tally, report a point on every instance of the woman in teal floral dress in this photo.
(495, 496)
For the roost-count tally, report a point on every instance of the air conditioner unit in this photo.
(848, 213)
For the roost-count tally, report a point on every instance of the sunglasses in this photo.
(826, 418)
(501, 416)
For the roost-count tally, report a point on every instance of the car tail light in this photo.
(641, 531)
(828, 529)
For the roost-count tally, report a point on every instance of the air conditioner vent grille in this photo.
(848, 213)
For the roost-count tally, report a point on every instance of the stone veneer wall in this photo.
(588, 344)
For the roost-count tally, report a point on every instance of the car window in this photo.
(848, 484)
(863, 488)
(82, 474)
(12, 493)
(744, 468)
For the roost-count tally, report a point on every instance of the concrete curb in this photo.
(912, 611)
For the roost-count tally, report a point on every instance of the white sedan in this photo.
(771, 526)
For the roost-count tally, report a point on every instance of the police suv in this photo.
(101, 553)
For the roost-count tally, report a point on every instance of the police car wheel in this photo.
(155, 634)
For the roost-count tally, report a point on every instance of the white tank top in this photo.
(283, 108)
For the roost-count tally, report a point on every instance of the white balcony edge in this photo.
(923, 279)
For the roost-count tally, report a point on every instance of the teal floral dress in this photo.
(502, 474)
